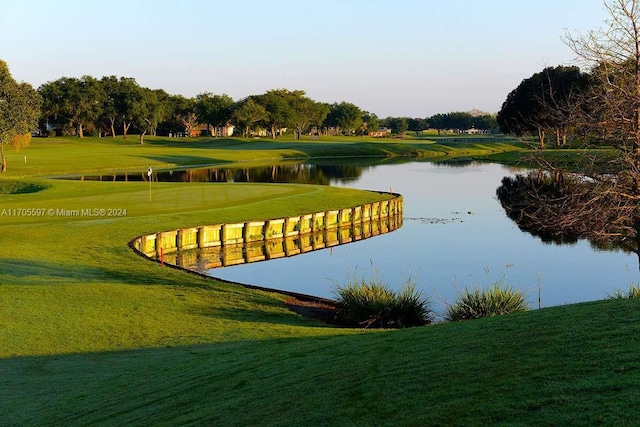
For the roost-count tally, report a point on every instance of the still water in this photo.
(454, 234)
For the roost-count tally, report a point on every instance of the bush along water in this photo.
(372, 304)
(495, 300)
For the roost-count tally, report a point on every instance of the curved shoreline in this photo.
(345, 216)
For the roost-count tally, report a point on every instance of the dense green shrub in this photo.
(19, 187)
(632, 292)
(372, 304)
(495, 300)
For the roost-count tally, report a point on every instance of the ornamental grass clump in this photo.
(373, 304)
(495, 300)
(632, 292)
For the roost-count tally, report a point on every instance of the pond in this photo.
(454, 234)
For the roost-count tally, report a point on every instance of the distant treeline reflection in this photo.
(298, 173)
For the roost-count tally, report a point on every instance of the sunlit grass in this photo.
(92, 334)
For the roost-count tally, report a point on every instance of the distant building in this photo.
(380, 133)
(205, 130)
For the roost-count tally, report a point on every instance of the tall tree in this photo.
(344, 116)
(184, 110)
(73, 103)
(19, 111)
(306, 113)
(459, 120)
(154, 109)
(214, 110)
(398, 125)
(547, 101)
(600, 203)
(370, 122)
(247, 113)
(417, 125)
(437, 122)
(486, 122)
(278, 104)
(564, 98)
(522, 112)
(109, 111)
(128, 102)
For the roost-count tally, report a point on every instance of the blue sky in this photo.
(391, 57)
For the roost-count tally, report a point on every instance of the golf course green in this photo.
(93, 334)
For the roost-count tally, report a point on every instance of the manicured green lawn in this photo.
(91, 333)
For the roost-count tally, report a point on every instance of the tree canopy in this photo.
(19, 112)
(547, 101)
(597, 200)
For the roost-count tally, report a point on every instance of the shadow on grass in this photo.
(22, 272)
(559, 366)
(27, 269)
(308, 148)
(187, 160)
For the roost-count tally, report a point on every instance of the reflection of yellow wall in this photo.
(292, 246)
(274, 249)
(345, 235)
(331, 238)
(254, 252)
(306, 242)
(185, 258)
(232, 256)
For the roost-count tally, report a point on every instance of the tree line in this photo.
(112, 105)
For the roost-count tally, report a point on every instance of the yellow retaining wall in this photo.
(308, 225)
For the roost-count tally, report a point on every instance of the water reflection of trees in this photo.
(299, 173)
(563, 208)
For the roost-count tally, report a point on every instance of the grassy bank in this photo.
(90, 333)
(574, 365)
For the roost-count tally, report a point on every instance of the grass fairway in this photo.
(92, 334)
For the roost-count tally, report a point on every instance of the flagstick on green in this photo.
(149, 174)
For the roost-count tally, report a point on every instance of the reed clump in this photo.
(495, 300)
(371, 303)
